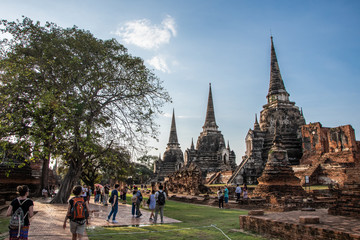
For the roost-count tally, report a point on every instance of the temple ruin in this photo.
(259, 140)
(173, 158)
(327, 154)
(211, 154)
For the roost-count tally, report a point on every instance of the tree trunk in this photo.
(45, 173)
(70, 179)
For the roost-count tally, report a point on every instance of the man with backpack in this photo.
(139, 199)
(20, 210)
(114, 200)
(160, 197)
(78, 213)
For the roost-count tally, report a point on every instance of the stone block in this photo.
(309, 219)
(256, 213)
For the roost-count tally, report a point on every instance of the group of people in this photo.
(21, 209)
(156, 203)
(223, 195)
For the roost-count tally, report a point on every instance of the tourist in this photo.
(44, 193)
(139, 199)
(106, 194)
(83, 194)
(160, 197)
(78, 218)
(152, 204)
(226, 197)
(220, 198)
(245, 194)
(124, 195)
(114, 200)
(133, 203)
(238, 192)
(97, 194)
(27, 207)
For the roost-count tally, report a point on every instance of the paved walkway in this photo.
(49, 218)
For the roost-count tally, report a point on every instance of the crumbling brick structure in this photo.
(327, 153)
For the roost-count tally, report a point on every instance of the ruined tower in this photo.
(211, 153)
(259, 140)
(173, 158)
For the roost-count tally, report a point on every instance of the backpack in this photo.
(111, 199)
(78, 211)
(17, 218)
(161, 198)
(140, 197)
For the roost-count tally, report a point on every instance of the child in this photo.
(77, 226)
(133, 203)
(152, 204)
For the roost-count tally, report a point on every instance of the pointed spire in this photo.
(228, 146)
(159, 157)
(256, 124)
(173, 140)
(276, 85)
(210, 123)
(192, 144)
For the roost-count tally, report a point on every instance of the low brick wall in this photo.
(293, 231)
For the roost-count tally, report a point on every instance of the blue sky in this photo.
(192, 43)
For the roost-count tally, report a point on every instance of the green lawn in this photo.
(4, 223)
(196, 224)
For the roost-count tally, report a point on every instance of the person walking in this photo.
(84, 193)
(139, 199)
(24, 204)
(114, 200)
(152, 204)
(220, 198)
(160, 198)
(106, 194)
(78, 213)
(133, 203)
(238, 192)
(226, 197)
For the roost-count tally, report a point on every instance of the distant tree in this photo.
(64, 93)
(141, 173)
(148, 160)
(109, 164)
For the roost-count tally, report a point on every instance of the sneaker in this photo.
(114, 221)
(108, 220)
(137, 216)
(150, 219)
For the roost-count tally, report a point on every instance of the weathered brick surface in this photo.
(286, 226)
(309, 219)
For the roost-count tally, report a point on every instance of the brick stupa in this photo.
(278, 178)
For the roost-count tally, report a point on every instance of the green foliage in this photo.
(66, 94)
(196, 224)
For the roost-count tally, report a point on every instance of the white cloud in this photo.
(144, 34)
(159, 63)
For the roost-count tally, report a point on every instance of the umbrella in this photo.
(97, 184)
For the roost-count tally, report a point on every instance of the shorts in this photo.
(226, 199)
(77, 228)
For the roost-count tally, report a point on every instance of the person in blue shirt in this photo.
(139, 199)
(114, 204)
(226, 196)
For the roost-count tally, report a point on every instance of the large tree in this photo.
(65, 93)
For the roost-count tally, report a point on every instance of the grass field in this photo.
(198, 222)
(4, 223)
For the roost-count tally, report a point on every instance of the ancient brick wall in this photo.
(328, 144)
